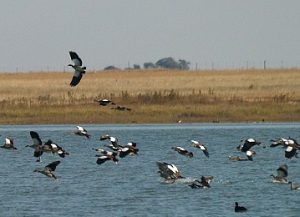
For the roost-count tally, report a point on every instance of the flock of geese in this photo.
(168, 171)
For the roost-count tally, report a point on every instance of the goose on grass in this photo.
(79, 69)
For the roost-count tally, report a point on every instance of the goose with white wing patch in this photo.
(79, 69)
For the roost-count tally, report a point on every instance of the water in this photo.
(133, 187)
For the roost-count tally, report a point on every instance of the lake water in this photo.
(133, 187)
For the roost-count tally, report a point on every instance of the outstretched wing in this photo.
(75, 58)
(35, 138)
(52, 166)
(76, 78)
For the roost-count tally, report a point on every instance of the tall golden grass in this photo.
(153, 95)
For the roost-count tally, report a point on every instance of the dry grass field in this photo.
(155, 96)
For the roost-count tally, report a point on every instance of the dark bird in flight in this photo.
(48, 170)
(79, 69)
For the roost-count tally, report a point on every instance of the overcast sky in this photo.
(37, 34)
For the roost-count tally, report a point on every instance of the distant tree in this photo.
(149, 65)
(111, 68)
(170, 63)
(184, 65)
(136, 66)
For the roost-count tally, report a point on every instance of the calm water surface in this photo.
(133, 187)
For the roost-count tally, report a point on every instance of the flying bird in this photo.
(81, 132)
(282, 173)
(105, 102)
(197, 144)
(79, 69)
(48, 170)
(106, 156)
(183, 151)
(168, 171)
(247, 144)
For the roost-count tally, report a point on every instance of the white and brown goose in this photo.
(82, 132)
(183, 151)
(202, 147)
(168, 171)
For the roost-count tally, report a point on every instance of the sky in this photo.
(38, 34)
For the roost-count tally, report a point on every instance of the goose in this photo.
(204, 182)
(106, 156)
(294, 186)
(113, 140)
(79, 69)
(249, 155)
(278, 142)
(282, 173)
(81, 132)
(168, 171)
(48, 170)
(291, 148)
(128, 150)
(247, 144)
(37, 145)
(238, 208)
(197, 144)
(9, 144)
(183, 151)
(52, 147)
(105, 102)
(121, 108)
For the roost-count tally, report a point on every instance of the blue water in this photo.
(133, 187)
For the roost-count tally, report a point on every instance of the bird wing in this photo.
(52, 166)
(282, 171)
(36, 138)
(8, 141)
(75, 58)
(76, 78)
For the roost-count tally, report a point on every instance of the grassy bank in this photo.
(154, 96)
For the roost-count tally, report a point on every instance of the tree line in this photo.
(164, 63)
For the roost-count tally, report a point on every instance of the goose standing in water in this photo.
(282, 173)
(79, 69)
(9, 144)
(168, 171)
(197, 144)
(183, 151)
(48, 170)
(81, 132)
(238, 208)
